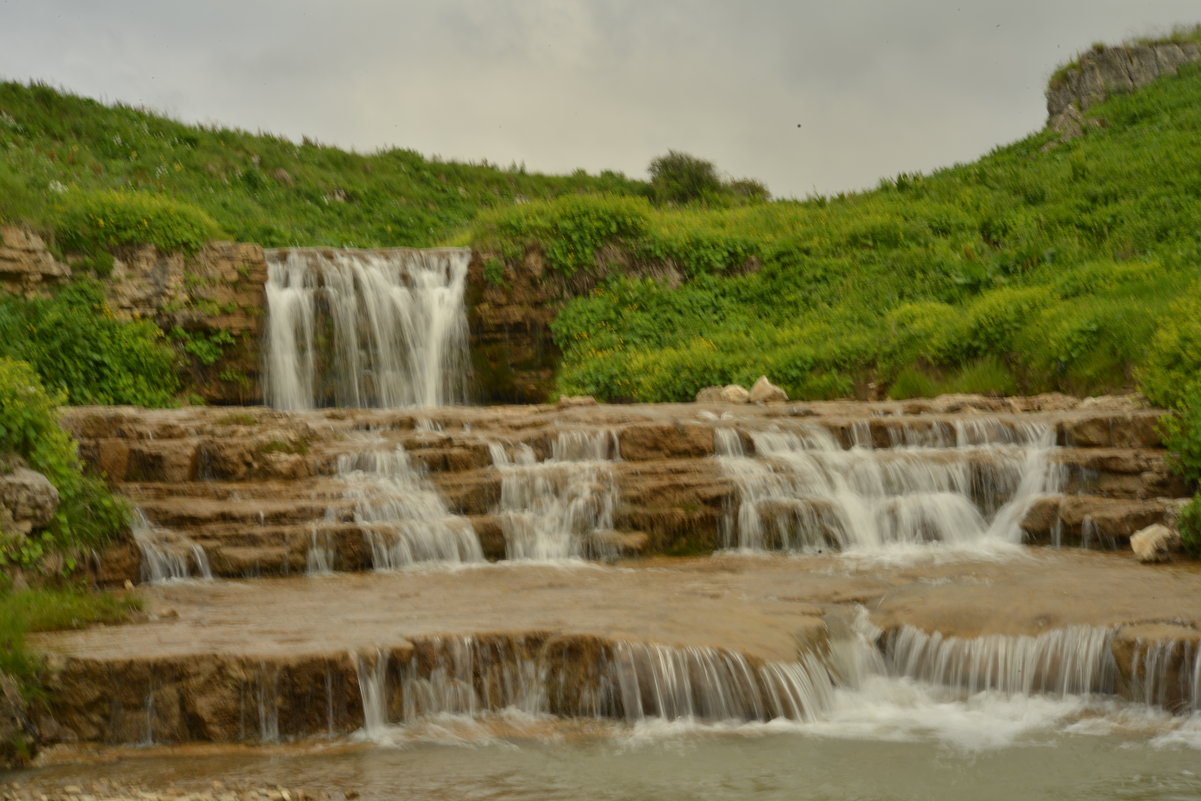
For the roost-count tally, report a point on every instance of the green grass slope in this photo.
(258, 188)
(1045, 265)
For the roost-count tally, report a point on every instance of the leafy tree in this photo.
(681, 178)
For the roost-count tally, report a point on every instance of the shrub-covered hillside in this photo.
(1046, 265)
(258, 188)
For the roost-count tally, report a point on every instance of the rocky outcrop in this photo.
(1154, 543)
(251, 486)
(28, 501)
(17, 739)
(1106, 71)
(213, 300)
(509, 312)
(215, 296)
(26, 265)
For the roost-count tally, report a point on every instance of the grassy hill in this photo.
(1045, 265)
(258, 188)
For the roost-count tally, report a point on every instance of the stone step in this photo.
(1094, 522)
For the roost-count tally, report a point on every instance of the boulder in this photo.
(1154, 543)
(735, 394)
(765, 391)
(28, 501)
(709, 395)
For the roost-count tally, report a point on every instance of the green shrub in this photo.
(1171, 374)
(1189, 526)
(79, 348)
(1182, 437)
(100, 221)
(88, 513)
(913, 383)
(681, 178)
(986, 376)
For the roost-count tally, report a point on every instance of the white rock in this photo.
(1154, 543)
(765, 391)
(735, 394)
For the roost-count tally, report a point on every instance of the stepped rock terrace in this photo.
(395, 517)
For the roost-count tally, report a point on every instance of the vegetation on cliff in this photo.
(1046, 265)
(87, 514)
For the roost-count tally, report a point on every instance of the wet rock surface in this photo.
(210, 650)
(250, 485)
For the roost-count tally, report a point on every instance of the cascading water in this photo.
(1168, 674)
(167, 555)
(1069, 661)
(470, 676)
(560, 507)
(962, 485)
(378, 329)
(402, 516)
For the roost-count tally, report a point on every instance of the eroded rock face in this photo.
(28, 501)
(219, 290)
(1107, 71)
(26, 266)
(16, 735)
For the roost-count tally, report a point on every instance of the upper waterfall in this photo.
(365, 328)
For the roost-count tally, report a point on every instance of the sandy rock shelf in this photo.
(208, 649)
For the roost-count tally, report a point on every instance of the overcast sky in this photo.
(808, 97)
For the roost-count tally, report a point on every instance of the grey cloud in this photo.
(878, 87)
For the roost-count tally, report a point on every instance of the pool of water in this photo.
(897, 740)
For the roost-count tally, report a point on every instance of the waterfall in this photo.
(965, 485)
(373, 691)
(167, 555)
(474, 676)
(402, 517)
(558, 508)
(1068, 661)
(378, 329)
(1168, 674)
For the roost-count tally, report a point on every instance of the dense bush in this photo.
(79, 349)
(88, 513)
(101, 221)
(681, 178)
(1189, 526)
(1171, 374)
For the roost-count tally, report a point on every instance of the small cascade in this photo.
(476, 676)
(268, 703)
(966, 485)
(319, 559)
(708, 684)
(376, 329)
(1069, 661)
(373, 689)
(470, 676)
(1167, 674)
(559, 508)
(167, 555)
(402, 516)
